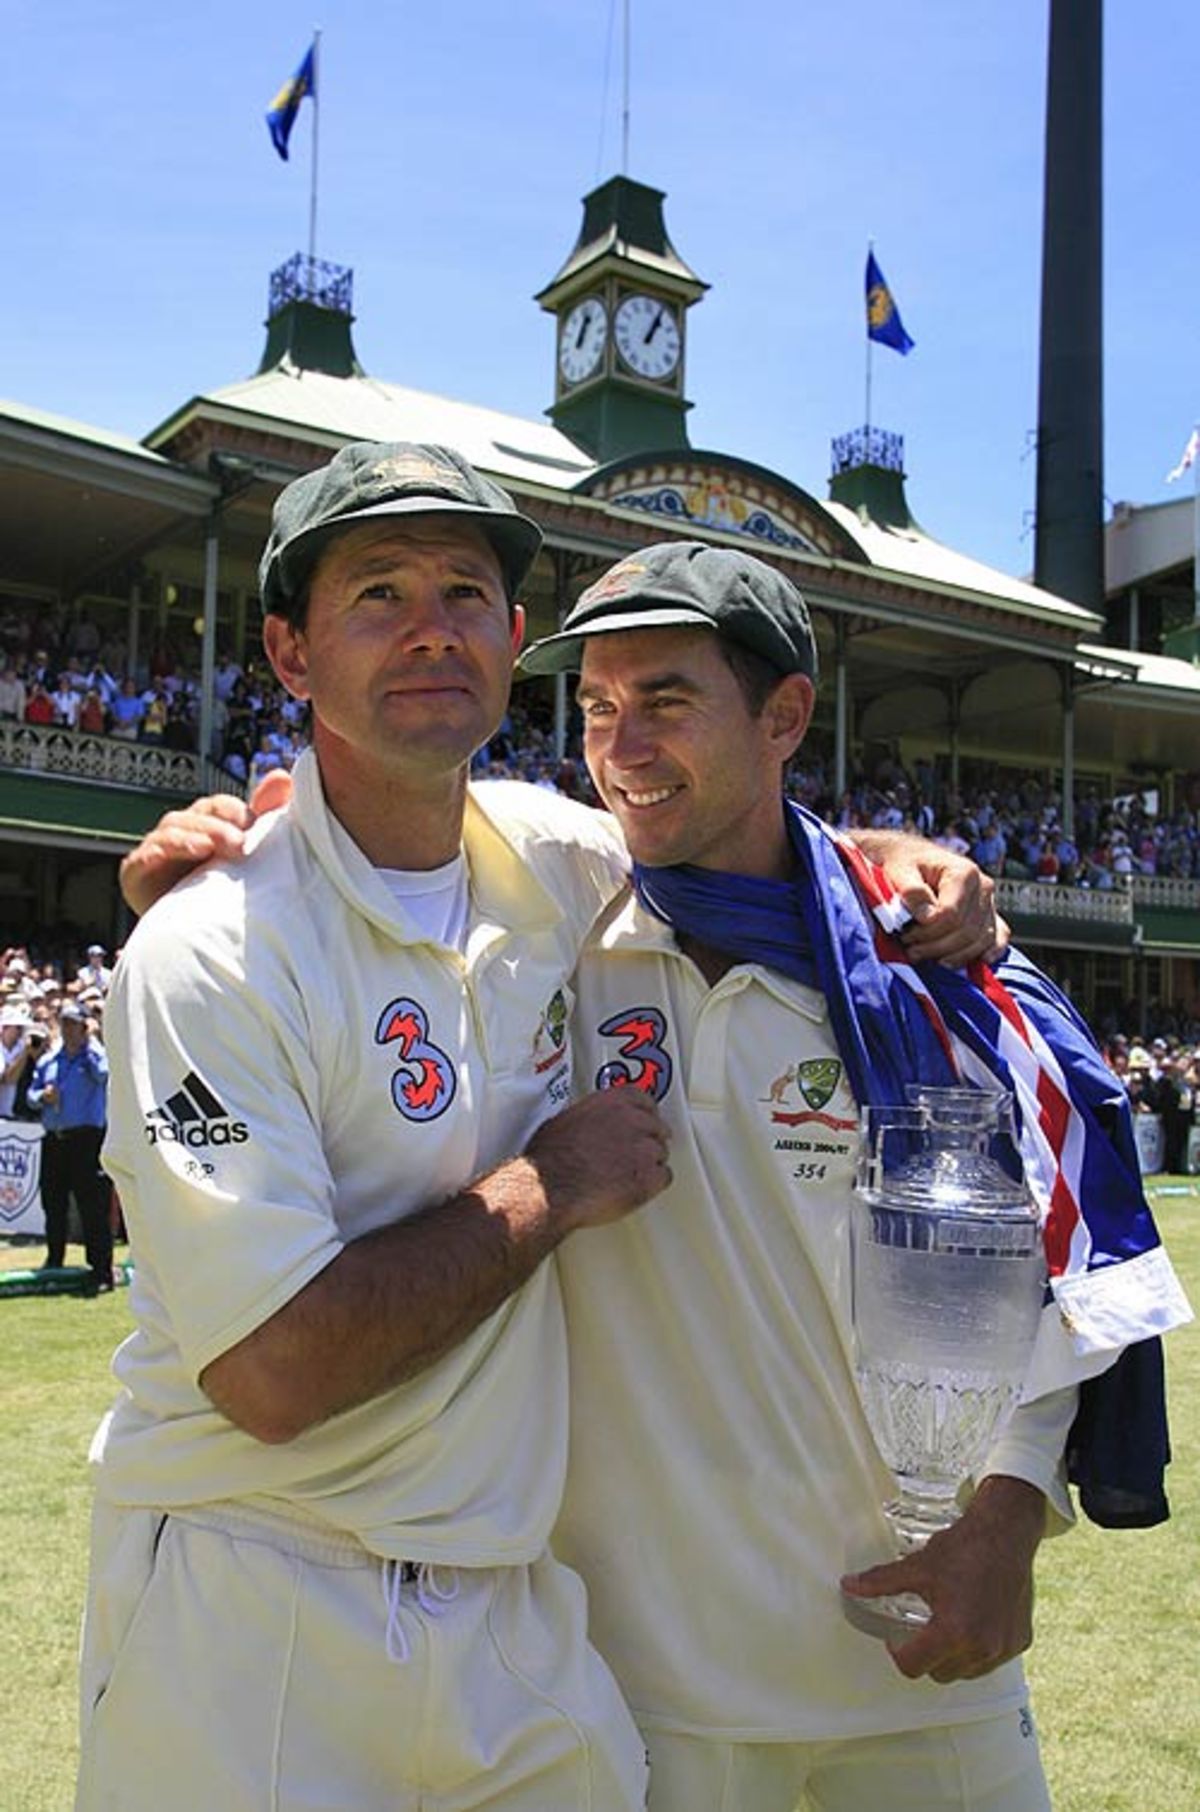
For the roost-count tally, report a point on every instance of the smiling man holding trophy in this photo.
(723, 1474)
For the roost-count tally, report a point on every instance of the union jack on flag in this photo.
(1111, 1280)
(1112, 1290)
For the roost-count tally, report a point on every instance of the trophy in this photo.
(948, 1277)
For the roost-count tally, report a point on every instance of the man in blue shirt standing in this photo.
(70, 1090)
(990, 850)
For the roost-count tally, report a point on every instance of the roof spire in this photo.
(309, 316)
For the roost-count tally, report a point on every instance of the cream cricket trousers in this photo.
(230, 1669)
(987, 1765)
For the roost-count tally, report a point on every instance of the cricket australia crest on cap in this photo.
(614, 583)
(688, 584)
(415, 471)
(367, 480)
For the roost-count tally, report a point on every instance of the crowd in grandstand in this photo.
(60, 671)
(65, 674)
(1012, 827)
(67, 677)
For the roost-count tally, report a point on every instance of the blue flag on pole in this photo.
(281, 115)
(883, 317)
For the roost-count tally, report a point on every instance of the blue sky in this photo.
(143, 209)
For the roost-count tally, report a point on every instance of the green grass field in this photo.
(1115, 1667)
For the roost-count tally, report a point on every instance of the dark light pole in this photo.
(1069, 540)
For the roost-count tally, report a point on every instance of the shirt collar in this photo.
(504, 889)
(625, 928)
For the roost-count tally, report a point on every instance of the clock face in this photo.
(647, 335)
(581, 342)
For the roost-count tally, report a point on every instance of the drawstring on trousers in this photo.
(430, 1596)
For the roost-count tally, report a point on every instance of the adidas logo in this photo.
(193, 1116)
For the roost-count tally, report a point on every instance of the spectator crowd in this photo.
(67, 676)
(1161, 1076)
(1013, 825)
(1010, 825)
(59, 672)
(55, 671)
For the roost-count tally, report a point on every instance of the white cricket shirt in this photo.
(722, 1476)
(293, 1065)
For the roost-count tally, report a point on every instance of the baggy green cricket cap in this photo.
(370, 479)
(687, 584)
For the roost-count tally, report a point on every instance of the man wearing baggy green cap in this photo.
(340, 1133)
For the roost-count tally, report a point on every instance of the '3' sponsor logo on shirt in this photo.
(642, 1061)
(425, 1083)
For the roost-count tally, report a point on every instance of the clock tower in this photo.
(620, 301)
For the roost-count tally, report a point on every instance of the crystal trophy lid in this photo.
(936, 1156)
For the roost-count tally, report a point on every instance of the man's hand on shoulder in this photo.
(953, 903)
(211, 829)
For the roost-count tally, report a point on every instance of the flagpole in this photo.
(870, 249)
(625, 99)
(312, 199)
(868, 413)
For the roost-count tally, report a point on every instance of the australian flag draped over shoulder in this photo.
(883, 317)
(1114, 1290)
(281, 115)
